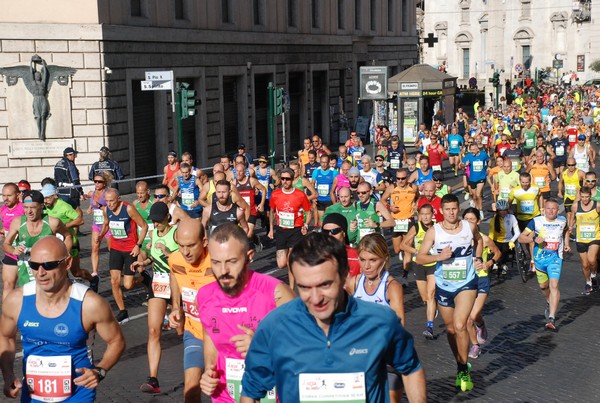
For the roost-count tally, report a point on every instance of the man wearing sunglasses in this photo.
(346, 208)
(336, 225)
(590, 182)
(28, 229)
(569, 185)
(57, 342)
(287, 221)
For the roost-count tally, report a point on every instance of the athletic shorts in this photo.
(422, 272)
(322, 205)
(473, 185)
(562, 162)
(453, 154)
(528, 151)
(252, 219)
(9, 260)
(446, 298)
(548, 266)
(584, 247)
(194, 213)
(97, 228)
(546, 195)
(568, 204)
(75, 249)
(193, 351)
(119, 260)
(394, 379)
(483, 284)
(523, 224)
(287, 238)
(395, 234)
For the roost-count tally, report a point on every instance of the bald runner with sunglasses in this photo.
(54, 317)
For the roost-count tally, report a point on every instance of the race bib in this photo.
(357, 155)
(530, 142)
(265, 183)
(362, 232)
(323, 190)
(552, 242)
(98, 216)
(455, 270)
(572, 138)
(454, 144)
(436, 167)
(571, 190)
(527, 206)
(187, 199)
(560, 151)
(246, 199)
(504, 193)
(49, 378)
(327, 388)
(477, 166)
(540, 181)
(395, 163)
(188, 297)
(401, 226)
(234, 371)
(587, 232)
(582, 164)
(286, 220)
(161, 285)
(117, 229)
(514, 164)
(484, 140)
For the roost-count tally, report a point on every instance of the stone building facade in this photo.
(227, 50)
(477, 37)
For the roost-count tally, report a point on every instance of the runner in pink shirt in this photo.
(11, 209)
(230, 310)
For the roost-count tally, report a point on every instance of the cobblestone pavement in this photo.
(520, 362)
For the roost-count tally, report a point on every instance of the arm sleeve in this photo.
(259, 376)
(401, 351)
(515, 228)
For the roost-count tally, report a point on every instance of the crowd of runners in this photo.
(189, 242)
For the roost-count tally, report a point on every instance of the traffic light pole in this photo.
(497, 89)
(270, 123)
(179, 120)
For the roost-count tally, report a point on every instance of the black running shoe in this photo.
(94, 283)
(122, 317)
(151, 385)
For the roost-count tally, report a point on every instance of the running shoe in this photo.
(471, 203)
(482, 333)
(463, 380)
(588, 289)
(401, 256)
(550, 325)
(467, 195)
(481, 215)
(428, 333)
(122, 317)
(474, 351)
(94, 282)
(151, 385)
(504, 269)
(531, 267)
(547, 311)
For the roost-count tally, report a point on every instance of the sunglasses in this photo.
(159, 196)
(571, 165)
(96, 181)
(591, 180)
(378, 159)
(333, 231)
(286, 178)
(401, 178)
(35, 266)
(361, 193)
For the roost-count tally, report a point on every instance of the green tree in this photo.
(595, 66)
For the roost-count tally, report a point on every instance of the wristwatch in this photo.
(100, 373)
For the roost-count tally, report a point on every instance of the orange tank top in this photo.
(171, 182)
(539, 177)
(190, 279)
(403, 198)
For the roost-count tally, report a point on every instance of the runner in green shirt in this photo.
(346, 208)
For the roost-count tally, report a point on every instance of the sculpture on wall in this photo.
(38, 78)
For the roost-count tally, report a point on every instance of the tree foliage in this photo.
(595, 66)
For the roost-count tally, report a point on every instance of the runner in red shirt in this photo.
(436, 153)
(287, 222)
(429, 197)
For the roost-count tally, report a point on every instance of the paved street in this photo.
(520, 362)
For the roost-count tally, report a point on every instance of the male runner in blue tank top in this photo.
(54, 317)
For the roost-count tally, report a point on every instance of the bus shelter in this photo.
(421, 92)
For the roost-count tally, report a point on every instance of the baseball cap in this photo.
(48, 190)
(581, 137)
(242, 146)
(104, 149)
(34, 196)
(69, 151)
(158, 212)
(437, 176)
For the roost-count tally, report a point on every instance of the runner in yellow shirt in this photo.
(569, 185)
